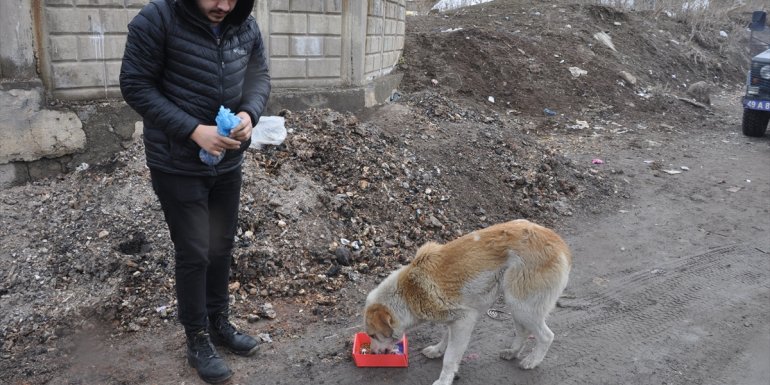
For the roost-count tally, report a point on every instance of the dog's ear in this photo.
(380, 319)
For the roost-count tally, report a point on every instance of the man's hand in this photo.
(242, 132)
(209, 140)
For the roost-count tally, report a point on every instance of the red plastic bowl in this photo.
(378, 360)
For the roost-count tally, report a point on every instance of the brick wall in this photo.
(310, 42)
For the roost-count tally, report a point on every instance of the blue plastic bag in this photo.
(226, 121)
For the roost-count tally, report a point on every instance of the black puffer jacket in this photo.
(176, 74)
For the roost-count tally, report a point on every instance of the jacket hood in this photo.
(237, 16)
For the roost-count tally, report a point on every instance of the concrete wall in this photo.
(385, 28)
(310, 43)
(17, 55)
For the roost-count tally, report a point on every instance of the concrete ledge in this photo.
(29, 131)
(353, 99)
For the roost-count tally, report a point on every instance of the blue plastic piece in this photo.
(226, 121)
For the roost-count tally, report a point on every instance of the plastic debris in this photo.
(577, 72)
(226, 121)
(549, 112)
(498, 314)
(269, 130)
(605, 39)
(581, 125)
(597, 161)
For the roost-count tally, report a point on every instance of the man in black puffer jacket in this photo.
(183, 60)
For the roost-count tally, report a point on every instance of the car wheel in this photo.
(755, 122)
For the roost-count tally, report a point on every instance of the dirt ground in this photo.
(662, 199)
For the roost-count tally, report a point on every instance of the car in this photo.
(756, 101)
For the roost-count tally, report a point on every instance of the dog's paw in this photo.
(529, 362)
(508, 354)
(442, 381)
(432, 351)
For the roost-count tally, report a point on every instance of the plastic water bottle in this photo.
(226, 121)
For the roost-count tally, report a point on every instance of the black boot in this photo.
(224, 333)
(204, 358)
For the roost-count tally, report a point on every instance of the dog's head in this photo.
(381, 326)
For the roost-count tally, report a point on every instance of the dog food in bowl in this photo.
(363, 356)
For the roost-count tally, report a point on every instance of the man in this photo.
(183, 59)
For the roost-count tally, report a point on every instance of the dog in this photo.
(455, 283)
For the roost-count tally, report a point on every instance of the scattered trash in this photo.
(581, 125)
(722, 33)
(597, 161)
(577, 72)
(491, 99)
(82, 167)
(452, 29)
(672, 172)
(269, 130)
(549, 112)
(605, 39)
(162, 311)
(734, 189)
(497, 314)
(685, 168)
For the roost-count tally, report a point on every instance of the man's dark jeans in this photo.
(202, 216)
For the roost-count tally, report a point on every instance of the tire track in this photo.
(644, 322)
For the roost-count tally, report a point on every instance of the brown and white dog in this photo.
(455, 283)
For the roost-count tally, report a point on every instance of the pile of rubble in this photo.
(339, 202)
